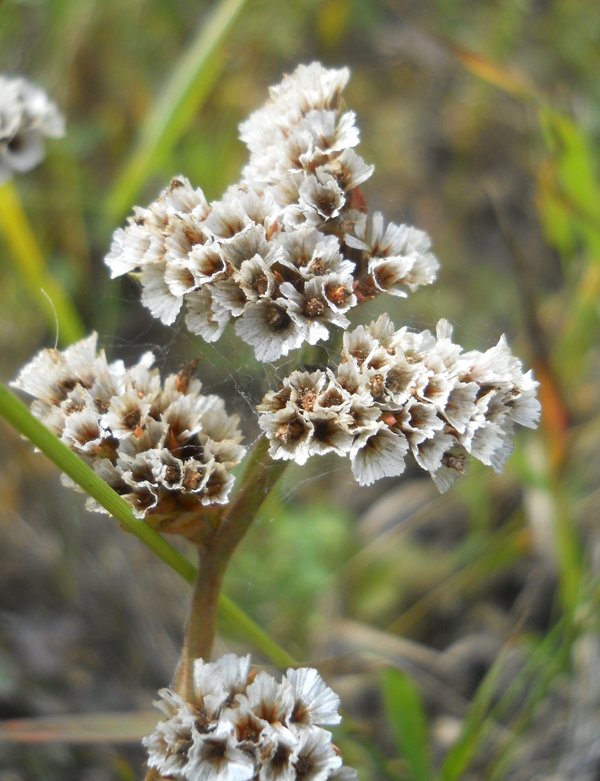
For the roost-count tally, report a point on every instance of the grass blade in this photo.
(179, 101)
(475, 726)
(80, 728)
(406, 714)
(29, 262)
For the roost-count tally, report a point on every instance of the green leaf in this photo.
(405, 711)
(568, 187)
(182, 96)
(475, 726)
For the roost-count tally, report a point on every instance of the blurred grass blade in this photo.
(475, 726)
(181, 98)
(80, 728)
(244, 624)
(17, 414)
(30, 264)
(510, 81)
(405, 712)
(568, 196)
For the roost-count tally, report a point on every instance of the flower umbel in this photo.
(241, 726)
(399, 392)
(27, 115)
(165, 447)
(286, 252)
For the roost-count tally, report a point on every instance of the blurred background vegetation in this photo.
(460, 630)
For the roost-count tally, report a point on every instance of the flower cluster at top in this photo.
(397, 392)
(243, 727)
(166, 448)
(26, 116)
(287, 251)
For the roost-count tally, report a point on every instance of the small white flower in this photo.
(380, 454)
(429, 453)
(330, 432)
(169, 745)
(314, 701)
(316, 757)
(311, 310)
(269, 700)
(277, 753)
(289, 432)
(206, 315)
(321, 199)
(214, 757)
(524, 408)
(156, 294)
(52, 374)
(27, 115)
(255, 278)
(267, 326)
(349, 170)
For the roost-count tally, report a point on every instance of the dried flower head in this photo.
(242, 726)
(165, 447)
(26, 116)
(397, 392)
(288, 251)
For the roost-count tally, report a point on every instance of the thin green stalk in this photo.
(181, 98)
(20, 418)
(28, 259)
(244, 624)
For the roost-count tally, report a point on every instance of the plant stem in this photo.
(216, 552)
(260, 477)
(202, 620)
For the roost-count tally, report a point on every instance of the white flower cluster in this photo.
(246, 727)
(397, 392)
(287, 251)
(26, 116)
(166, 448)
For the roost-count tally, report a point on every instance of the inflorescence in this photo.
(242, 726)
(165, 447)
(286, 253)
(399, 392)
(289, 250)
(26, 116)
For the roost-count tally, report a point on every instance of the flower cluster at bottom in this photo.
(244, 727)
(397, 392)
